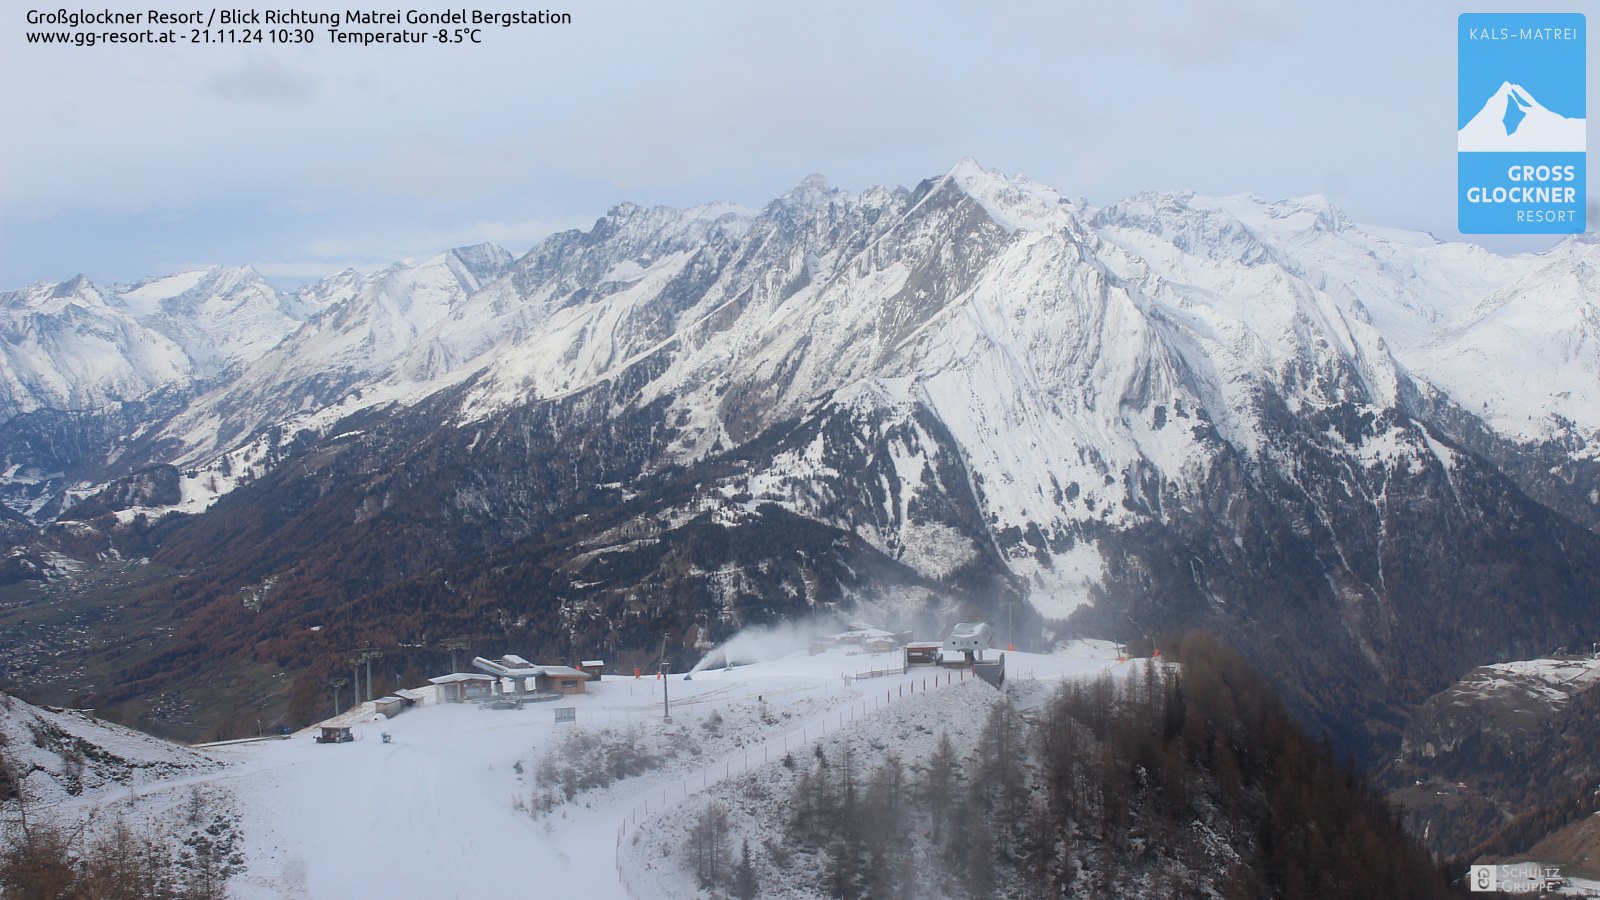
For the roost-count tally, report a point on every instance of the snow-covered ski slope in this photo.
(442, 810)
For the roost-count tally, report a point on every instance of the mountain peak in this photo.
(813, 190)
(967, 167)
(482, 262)
(1288, 216)
(488, 251)
(77, 284)
(1324, 214)
(1013, 203)
(973, 178)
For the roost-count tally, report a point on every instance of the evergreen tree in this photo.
(745, 886)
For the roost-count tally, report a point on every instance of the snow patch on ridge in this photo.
(1068, 582)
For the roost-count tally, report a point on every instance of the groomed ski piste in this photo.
(448, 806)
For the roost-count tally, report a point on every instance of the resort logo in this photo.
(1522, 123)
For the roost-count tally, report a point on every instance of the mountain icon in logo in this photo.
(1512, 120)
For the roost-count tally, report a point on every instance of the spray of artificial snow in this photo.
(760, 643)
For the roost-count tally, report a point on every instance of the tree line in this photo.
(1185, 781)
(189, 855)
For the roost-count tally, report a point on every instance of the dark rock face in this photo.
(154, 487)
(48, 450)
(1364, 591)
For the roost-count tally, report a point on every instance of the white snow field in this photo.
(442, 810)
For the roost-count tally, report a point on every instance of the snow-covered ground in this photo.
(1553, 679)
(443, 809)
(64, 755)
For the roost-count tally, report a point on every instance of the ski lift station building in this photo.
(971, 638)
(524, 676)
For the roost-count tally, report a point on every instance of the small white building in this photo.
(971, 638)
(460, 687)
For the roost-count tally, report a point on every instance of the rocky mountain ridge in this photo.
(973, 394)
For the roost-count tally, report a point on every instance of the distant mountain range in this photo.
(1369, 458)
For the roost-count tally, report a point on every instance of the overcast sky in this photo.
(123, 161)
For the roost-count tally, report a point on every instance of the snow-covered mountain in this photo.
(90, 372)
(1221, 287)
(1220, 411)
(222, 317)
(1527, 356)
(1512, 120)
(75, 346)
(368, 325)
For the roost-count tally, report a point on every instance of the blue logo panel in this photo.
(1520, 193)
(1522, 128)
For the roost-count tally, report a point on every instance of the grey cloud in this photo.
(265, 81)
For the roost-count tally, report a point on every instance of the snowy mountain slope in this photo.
(62, 754)
(1498, 754)
(989, 294)
(325, 820)
(750, 321)
(418, 327)
(1527, 357)
(88, 375)
(823, 289)
(242, 376)
(1455, 319)
(937, 298)
(365, 325)
(74, 346)
(449, 799)
(222, 317)
(1174, 409)
(1406, 284)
